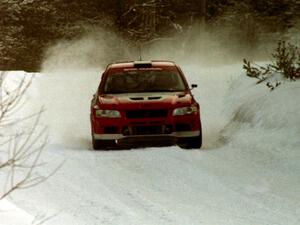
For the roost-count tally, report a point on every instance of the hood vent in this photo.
(136, 98)
(142, 98)
(181, 95)
(154, 97)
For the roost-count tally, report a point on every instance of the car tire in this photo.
(103, 144)
(190, 142)
(96, 144)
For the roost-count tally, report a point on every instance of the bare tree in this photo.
(22, 139)
(142, 20)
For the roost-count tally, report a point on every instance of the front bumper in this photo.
(152, 131)
(174, 135)
(146, 140)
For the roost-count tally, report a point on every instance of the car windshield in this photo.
(144, 81)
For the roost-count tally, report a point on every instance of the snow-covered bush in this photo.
(260, 119)
(286, 65)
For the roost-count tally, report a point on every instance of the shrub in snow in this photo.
(22, 138)
(262, 120)
(286, 66)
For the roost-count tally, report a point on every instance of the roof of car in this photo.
(132, 64)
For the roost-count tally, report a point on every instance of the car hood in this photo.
(145, 100)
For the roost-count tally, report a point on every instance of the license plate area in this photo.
(147, 130)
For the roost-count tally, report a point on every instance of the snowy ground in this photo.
(247, 172)
(10, 214)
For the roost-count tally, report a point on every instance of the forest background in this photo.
(29, 27)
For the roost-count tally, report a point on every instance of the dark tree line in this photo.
(28, 27)
(254, 19)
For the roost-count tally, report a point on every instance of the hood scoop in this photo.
(181, 95)
(154, 97)
(137, 98)
(147, 98)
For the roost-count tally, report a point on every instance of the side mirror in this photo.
(194, 86)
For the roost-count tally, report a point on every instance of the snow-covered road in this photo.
(164, 186)
(247, 172)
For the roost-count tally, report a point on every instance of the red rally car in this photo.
(145, 103)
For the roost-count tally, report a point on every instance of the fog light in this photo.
(168, 129)
(126, 131)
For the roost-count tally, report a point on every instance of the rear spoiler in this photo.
(142, 64)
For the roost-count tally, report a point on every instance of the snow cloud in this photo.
(72, 71)
(96, 48)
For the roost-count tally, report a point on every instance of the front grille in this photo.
(144, 130)
(135, 114)
(182, 127)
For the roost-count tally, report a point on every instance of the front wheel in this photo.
(103, 144)
(190, 142)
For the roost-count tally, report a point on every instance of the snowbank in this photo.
(262, 117)
(11, 215)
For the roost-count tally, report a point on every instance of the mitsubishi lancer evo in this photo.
(144, 103)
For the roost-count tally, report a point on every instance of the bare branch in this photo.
(22, 149)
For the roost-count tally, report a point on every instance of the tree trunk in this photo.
(202, 12)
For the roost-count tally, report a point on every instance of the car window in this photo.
(143, 81)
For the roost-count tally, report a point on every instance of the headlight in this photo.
(108, 113)
(185, 111)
